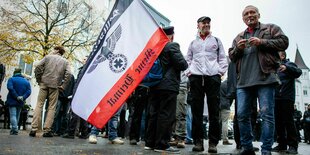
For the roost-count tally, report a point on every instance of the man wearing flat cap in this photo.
(163, 97)
(207, 64)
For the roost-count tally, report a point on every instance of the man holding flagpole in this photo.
(163, 97)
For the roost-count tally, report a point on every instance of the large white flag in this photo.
(128, 45)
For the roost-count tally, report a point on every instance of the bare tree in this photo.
(35, 26)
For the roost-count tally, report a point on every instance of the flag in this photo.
(128, 44)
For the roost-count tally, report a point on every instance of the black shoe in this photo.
(278, 149)
(83, 136)
(66, 135)
(212, 148)
(198, 148)
(48, 134)
(133, 142)
(170, 150)
(32, 133)
(13, 133)
(292, 150)
(247, 152)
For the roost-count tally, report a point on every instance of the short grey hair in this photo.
(251, 6)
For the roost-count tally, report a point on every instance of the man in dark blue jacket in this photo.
(19, 90)
(163, 98)
(284, 106)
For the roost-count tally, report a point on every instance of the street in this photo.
(23, 144)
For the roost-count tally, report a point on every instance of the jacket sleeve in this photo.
(292, 70)
(176, 57)
(38, 71)
(28, 91)
(222, 59)
(277, 41)
(11, 88)
(233, 52)
(67, 76)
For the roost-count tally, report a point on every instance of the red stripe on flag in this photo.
(118, 94)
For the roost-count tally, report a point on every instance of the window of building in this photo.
(304, 75)
(305, 92)
(297, 90)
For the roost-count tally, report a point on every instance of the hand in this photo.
(254, 41)
(241, 44)
(282, 68)
(61, 88)
(20, 98)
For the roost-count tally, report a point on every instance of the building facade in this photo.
(302, 84)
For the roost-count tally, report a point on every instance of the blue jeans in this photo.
(265, 95)
(188, 124)
(112, 126)
(14, 118)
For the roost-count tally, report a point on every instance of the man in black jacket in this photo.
(284, 106)
(163, 97)
(306, 124)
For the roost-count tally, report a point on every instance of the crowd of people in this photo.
(260, 81)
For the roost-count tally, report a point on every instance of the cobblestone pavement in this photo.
(22, 144)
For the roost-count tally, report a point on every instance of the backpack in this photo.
(155, 75)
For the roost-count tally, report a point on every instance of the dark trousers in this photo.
(201, 86)
(22, 119)
(60, 123)
(161, 116)
(307, 132)
(73, 124)
(139, 103)
(285, 126)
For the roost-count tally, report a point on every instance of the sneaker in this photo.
(83, 136)
(292, 150)
(92, 139)
(148, 148)
(212, 148)
(32, 133)
(198, 148)
(47, 134)
(66, 135)
(133, 142)
(181, 144)
(226, 142)
(117, 141)
(170, 150)
(278, 149)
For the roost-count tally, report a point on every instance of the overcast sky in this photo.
(293, 16)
